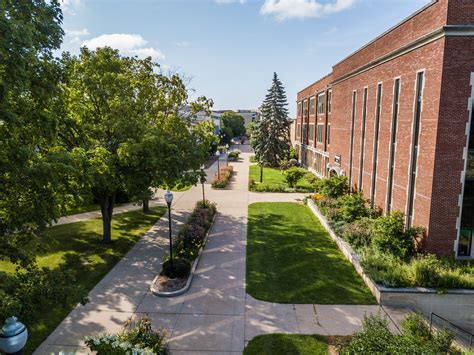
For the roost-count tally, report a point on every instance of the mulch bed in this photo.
(211, 160)
(164, 284)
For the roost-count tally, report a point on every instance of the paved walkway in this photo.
(215, 316)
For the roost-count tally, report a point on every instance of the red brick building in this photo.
(395, 117)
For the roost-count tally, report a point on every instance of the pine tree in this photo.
(271, 135)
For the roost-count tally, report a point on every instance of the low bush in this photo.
(416, 338)
(334, 186)
(139, 339)
(293, 175)
(391, 236)
(352, 206)
(181, 267)
(220, 180)
(253, 159)
(359, 233)
(191, 236)
(234, 155)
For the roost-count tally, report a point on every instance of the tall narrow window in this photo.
(393, 142)
(320, 133)
(415, 146)
(321, 98)
(378, 109)
(354, 98)
(362, 140)
(328, 137)
(312, 105)
(329, 101)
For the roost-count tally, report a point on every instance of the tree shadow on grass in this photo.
(292, 259)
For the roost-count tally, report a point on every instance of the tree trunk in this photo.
(107, 202)
(146, 206)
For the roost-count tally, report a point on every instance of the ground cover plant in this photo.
(76, 249)
(220, 181)
(292, 259)
(283, 344)
(191, 239)
(276, 180)
(391, 254)
(138, 338)
(375, 337)
(234, 155)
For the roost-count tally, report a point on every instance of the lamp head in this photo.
(168, 197)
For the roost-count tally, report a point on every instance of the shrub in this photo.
(390, 235)
(293, 175)
(311, 178)
(352, 206)
(385, 269)
(293, 153)
(206, 204)
(140, 339)
(181, 267)
(426, 270)
(416, 338)
(359, 233)
(334, 186)
(251, 184)
(253, 159)
(234, 155)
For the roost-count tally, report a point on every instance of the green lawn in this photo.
(274, 180)
(83, 240)
(292, 259)
(284, 344)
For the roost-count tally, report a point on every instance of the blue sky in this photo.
(229, 49)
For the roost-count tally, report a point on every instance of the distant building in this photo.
(201, 116)
(248, 115)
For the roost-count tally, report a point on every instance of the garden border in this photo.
(186, 287)
(457, 304)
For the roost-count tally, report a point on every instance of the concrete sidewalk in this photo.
(215, 316)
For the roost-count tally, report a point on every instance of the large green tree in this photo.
(271, 134)
(122, 122)
(235, 122)
(36, 176)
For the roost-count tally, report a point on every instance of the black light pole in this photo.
(169, 199)
(261, 171)
(218, 167)
(227, 155)
(203, 180)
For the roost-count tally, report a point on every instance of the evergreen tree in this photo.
(271, 135)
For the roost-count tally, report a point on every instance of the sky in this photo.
(228, 49)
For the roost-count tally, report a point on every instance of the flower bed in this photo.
(186, 251)
(390, 254)
(219, 181)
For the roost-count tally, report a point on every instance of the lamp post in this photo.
(226, 155)
(261, 171)
(218, 167)
(169, 199)
(203, 180)
(13, 337)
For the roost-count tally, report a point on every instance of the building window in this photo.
(362, 139)
(354, 99)
(393, 142)
(311, 132)
(305, 134)
(298, 130)
(321, 98)
(305, 108)
(415, 146)
(329, 101)
(320, 133)
(299, 109)
(328, 135)
(378, 109)
(312, 105)
(467, 216)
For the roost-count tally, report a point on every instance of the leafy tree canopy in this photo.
(122, 122)
(235, 122)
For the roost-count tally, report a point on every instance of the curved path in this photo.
(215, 316)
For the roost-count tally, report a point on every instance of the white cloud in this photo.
(225, 2)
(70, 5)
(74, 36)
(127, 44)
(287, 9)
